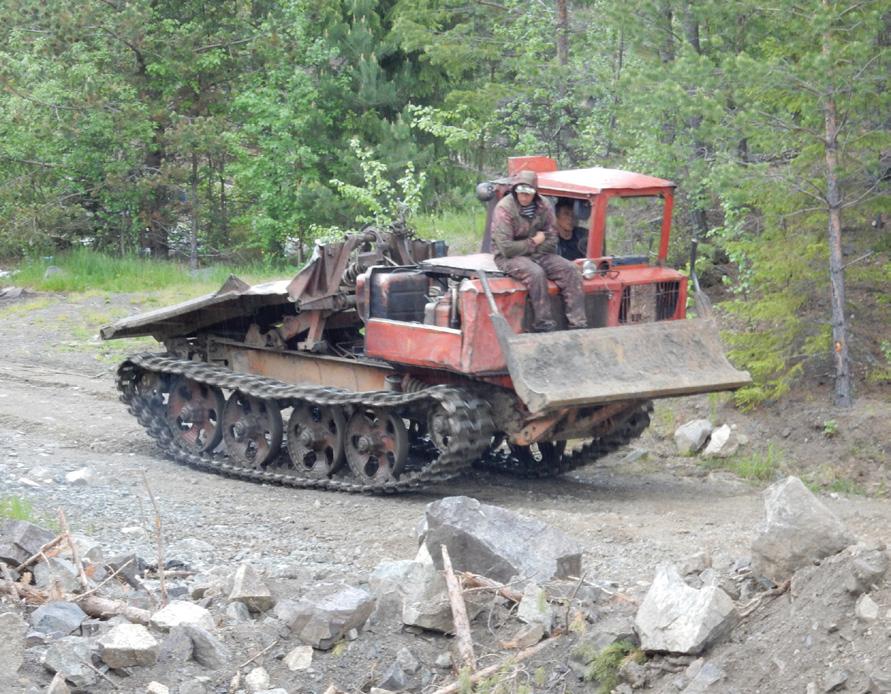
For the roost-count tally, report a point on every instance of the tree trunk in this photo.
(617, 74)
(562, 33)
(843, 396)
(193, 231)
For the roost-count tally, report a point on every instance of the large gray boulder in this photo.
(179, 613)
(495, 542)
(57, 571)
(12, 648)
(798, 529)
(323, 616)
(677, 618)
(389, 583)
(207, 649)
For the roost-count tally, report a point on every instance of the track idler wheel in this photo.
(194, 413)
(252, 430)
(315, 440)
(376, 445)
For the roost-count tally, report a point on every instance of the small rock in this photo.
(177, 647)
(443, 660)
(407, 661)
(208, 650)
(58, 685)
(324, 616)
(238, 613)
(299, 659)
(57, 618)
(20, 539)
(81, 477)
(694, 563)
(702, 677)
(534, 607)
(690, 437)
(866, 609)
(834, 680)
(248, 588)
(529, 635)
(394, 678)
(180, 613)
(69, 656)
(257, 680)
(128, 645)
(157, 688)
(723, 443)
(675, 617)
(12, 647)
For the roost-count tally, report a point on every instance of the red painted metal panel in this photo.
(415, 344)
(539, 164)
(596, 180)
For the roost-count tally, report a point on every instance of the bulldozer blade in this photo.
(646, 360)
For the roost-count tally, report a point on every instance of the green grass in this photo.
(603, 668)
(462, 229)
(18, 509)
(757, 466)
(85, 270)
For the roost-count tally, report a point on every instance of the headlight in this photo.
(589, 269)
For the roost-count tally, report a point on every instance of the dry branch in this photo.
(104, 608)
(75, 557)
(475, 580)
(159, 538)
(492, 669)
(459, 613)
(40, 553)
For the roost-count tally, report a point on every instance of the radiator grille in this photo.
(644, 303)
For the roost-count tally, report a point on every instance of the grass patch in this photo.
(603, 667)
(83, 269)
(462, 229)
(757, 466)
(18, 509)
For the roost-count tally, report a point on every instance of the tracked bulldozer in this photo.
(386, 364)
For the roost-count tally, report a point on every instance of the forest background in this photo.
(231, 128)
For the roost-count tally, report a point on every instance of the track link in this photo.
(470, 419)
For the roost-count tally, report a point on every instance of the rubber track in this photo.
(472, 426)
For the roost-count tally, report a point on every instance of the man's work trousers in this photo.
(534, 272)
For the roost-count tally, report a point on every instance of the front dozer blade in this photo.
(645, 360)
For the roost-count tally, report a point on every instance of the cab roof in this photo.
(591, 181)
(597, 180)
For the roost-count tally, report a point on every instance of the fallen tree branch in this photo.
(459, 613)
(483, 583)
(252, 659)
(104, 608)
(492, 669)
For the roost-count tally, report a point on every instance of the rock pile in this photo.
(808, 612)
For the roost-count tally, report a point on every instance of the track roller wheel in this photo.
(315, 440)
(252, 430)
(194, 413)
(376, 445)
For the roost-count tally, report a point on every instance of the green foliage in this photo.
(83, 269)
(16, 508)
(603, 667)
(830, 428)
(757, 466)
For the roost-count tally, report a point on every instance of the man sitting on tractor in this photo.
(525, 239)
